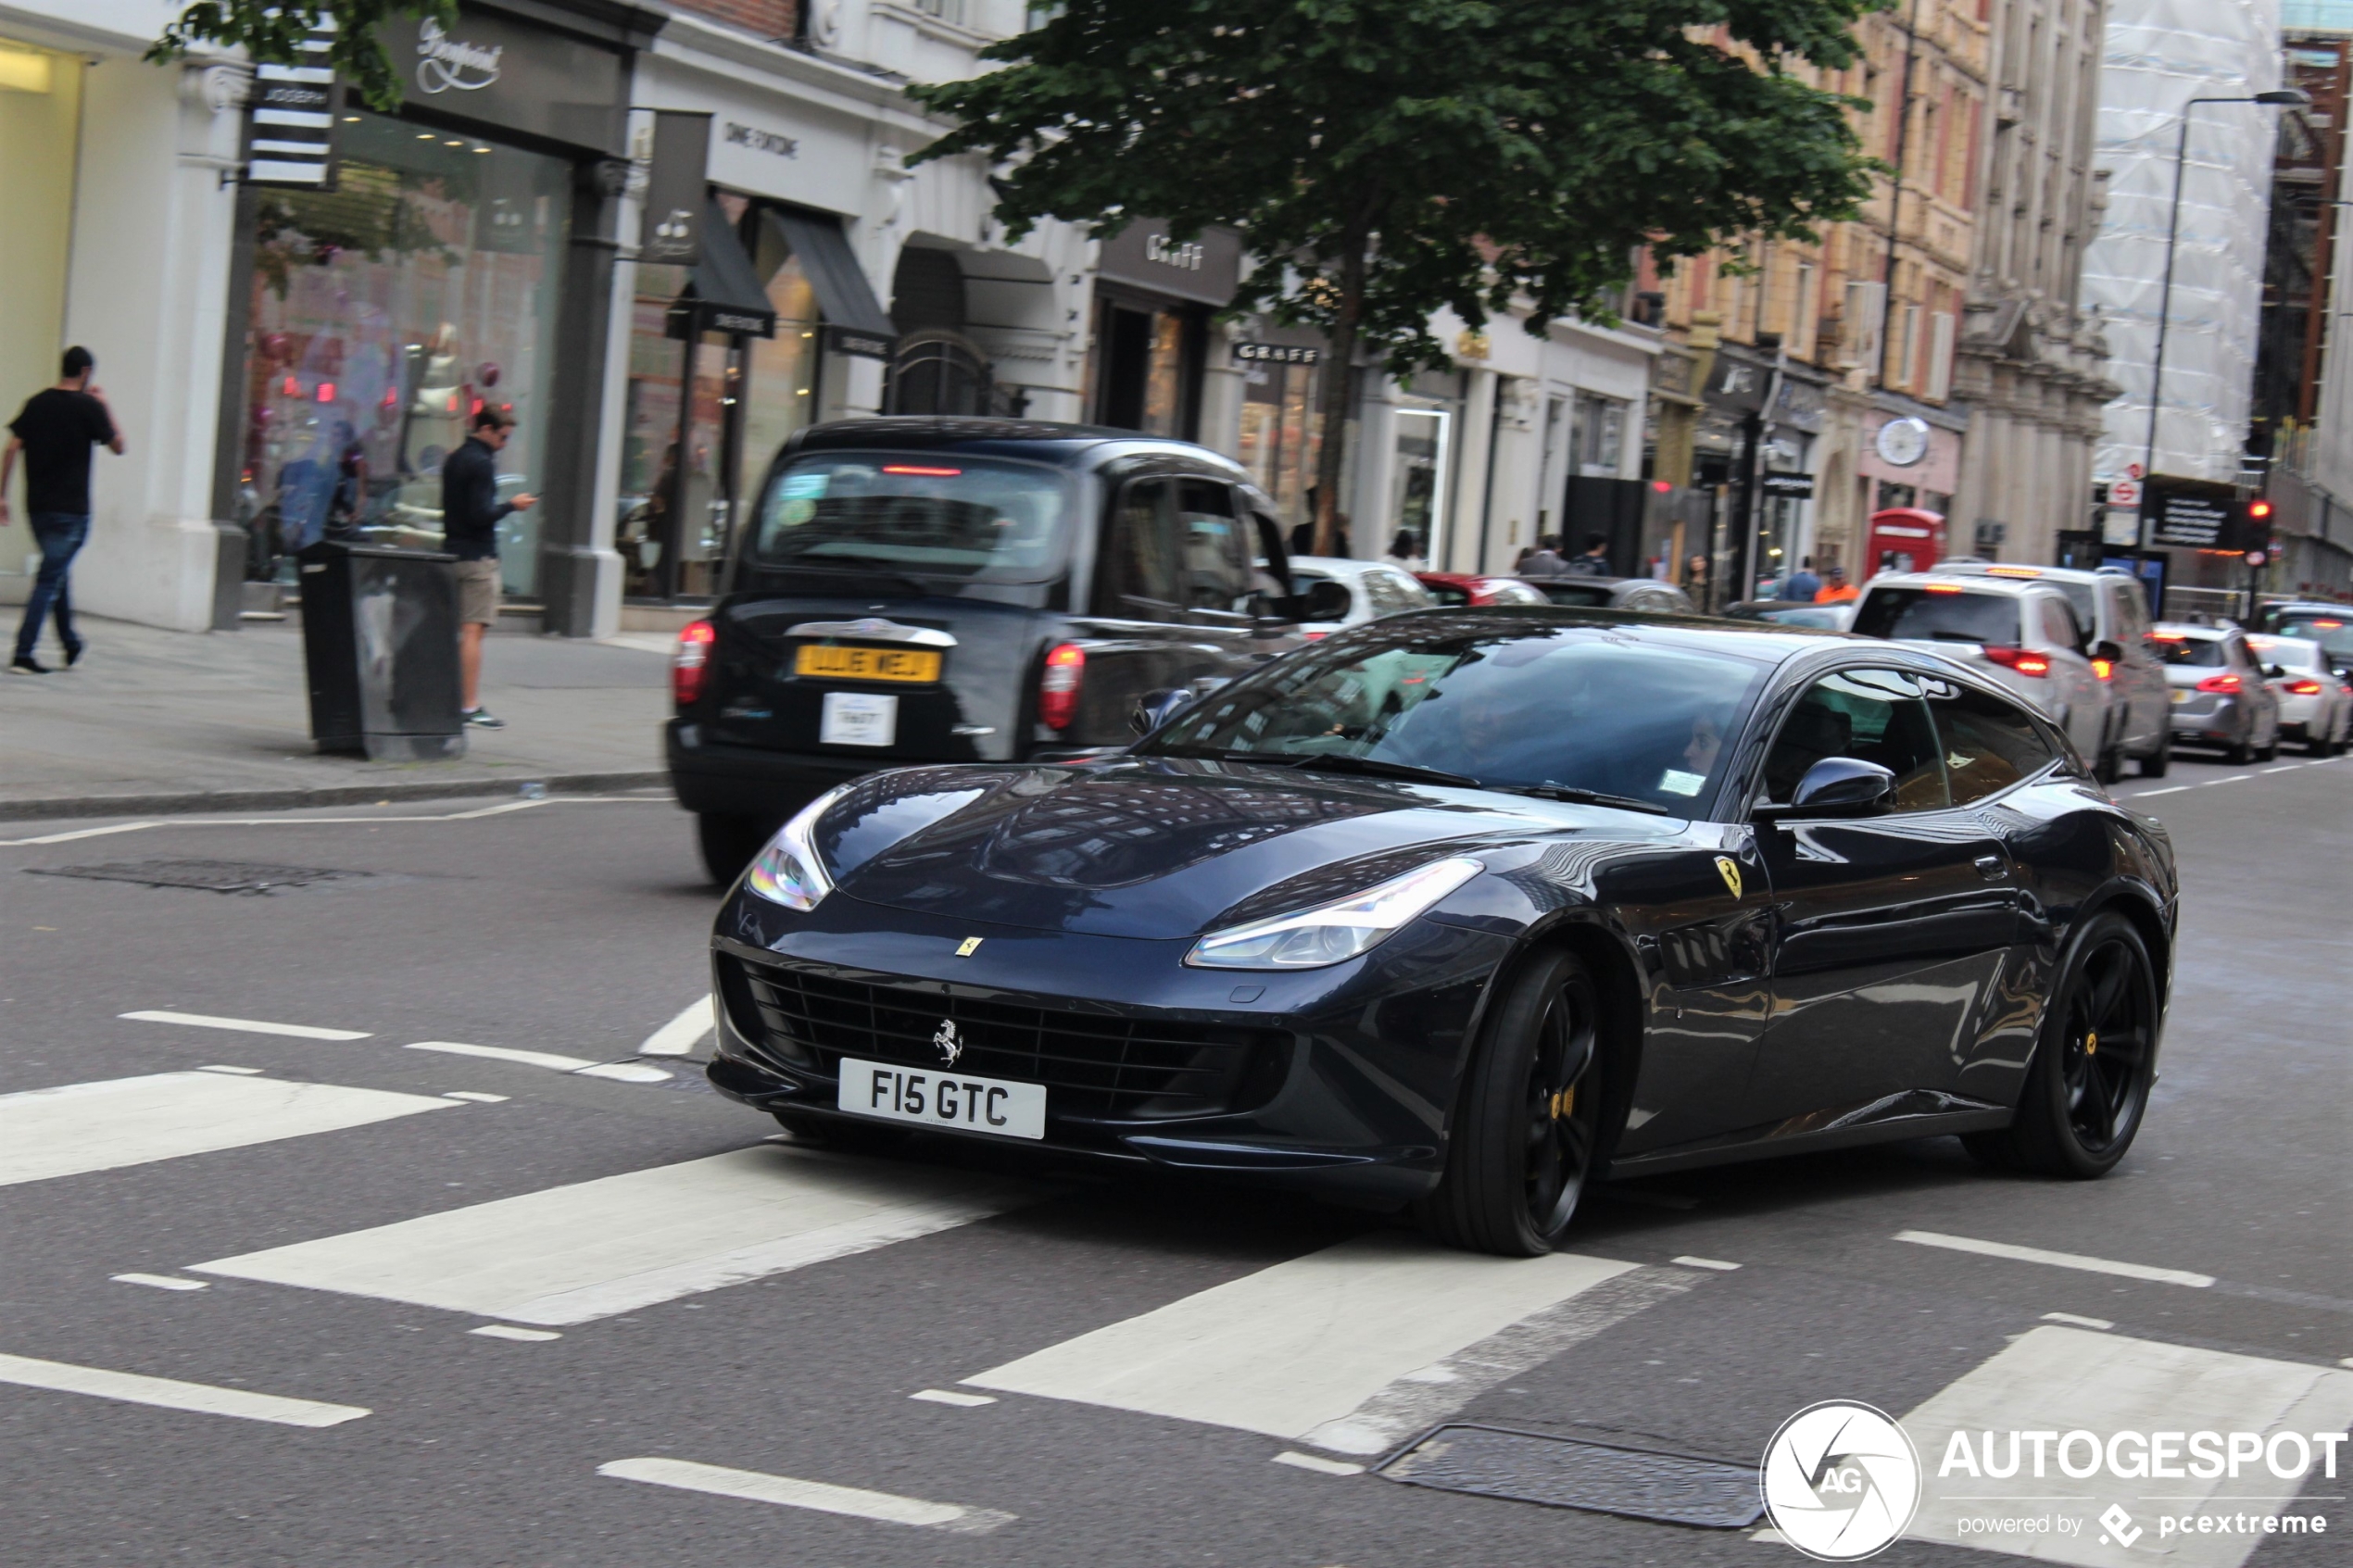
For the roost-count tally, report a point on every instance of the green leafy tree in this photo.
(272, 31)
(1384, 158)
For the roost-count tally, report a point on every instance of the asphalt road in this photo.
(722, 1300)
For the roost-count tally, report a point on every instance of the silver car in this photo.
(2316, 707)
(2220, 695)
(2112, 608)
(2023, 634)
(1374, 589)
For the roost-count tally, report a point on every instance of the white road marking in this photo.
(2064, 1380)
(476, 1096)
(949, 1396)
(161, 1282)
(77, 1128)
(820, 1496)
(573, 1254)
(1321, 1466)
(624, 1072)
(2234, 777)
(509, 1331)
(171, 1394)
(2284, 768)
(247, 1025)
(2056, 1260)
(1691, 1263)
(1305, 1345)
(2169, 789)
(300, 821)
(682, 1033)
(233, 1072)
(505, 1053)
(2101, 1323)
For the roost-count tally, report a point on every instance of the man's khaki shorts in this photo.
(478, 592)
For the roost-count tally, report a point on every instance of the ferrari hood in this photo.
(1154, 848)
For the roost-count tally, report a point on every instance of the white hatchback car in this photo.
(1374, 589)
(2022, 633)
(2315, 706)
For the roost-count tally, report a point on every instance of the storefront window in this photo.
(1281, 433)
(649, 432)
(1146, 380)
(1420, 505)
(40, 115)
(384, 314)
(780, 377)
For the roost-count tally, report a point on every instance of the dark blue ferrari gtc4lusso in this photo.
(1465, 908)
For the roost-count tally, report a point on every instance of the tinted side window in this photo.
(1216, 558)
(1990, 744)
(1871, 715)
(1138, 572)
(1942, 614)
(2125, 605)
(2059, 624)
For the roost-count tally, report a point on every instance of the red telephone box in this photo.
(1904, 539)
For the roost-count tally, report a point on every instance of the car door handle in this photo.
(1992, 867)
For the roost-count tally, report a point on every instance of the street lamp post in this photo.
(2289, 97)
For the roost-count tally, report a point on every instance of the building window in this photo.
(1940, 356)
(1908, 349)
(1598, 437)
(1282, 434)
(384, 314)
(1801, 322)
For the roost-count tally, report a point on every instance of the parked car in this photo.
(1614, 593)
(2222, 696)
(2316, 704)
(1470, 909)
(961, 590)
(2111, 607)
(1792, 612)
(2023, 634)
(2331, 625)
(1374, 589)
(1455, 589)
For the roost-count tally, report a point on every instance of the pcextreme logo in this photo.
(1841, 1480)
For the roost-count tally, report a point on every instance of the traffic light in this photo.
(2254, 525)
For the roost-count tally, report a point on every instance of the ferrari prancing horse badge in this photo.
(1732, 869)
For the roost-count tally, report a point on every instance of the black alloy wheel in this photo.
(2088, 1085)
(2157, 763)
(1527, 1133)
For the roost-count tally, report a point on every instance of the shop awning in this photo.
(724, 293)
(855, 321)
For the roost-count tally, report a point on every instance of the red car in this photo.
(1455, 588)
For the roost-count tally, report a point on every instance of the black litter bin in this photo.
(379, 640)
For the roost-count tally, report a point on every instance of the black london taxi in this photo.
(915, 590)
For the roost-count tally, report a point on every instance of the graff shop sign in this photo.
(445, 63)
(503, 72)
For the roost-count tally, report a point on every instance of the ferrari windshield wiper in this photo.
(1584, 797)
(1338, 762)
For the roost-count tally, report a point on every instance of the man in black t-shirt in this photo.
(54, 432)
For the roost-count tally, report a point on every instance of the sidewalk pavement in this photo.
(161, 722)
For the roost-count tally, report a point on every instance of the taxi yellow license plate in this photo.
(867, 664)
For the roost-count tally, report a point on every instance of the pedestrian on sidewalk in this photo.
(55, 432)
(469, 514)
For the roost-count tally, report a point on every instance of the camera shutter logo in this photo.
(1840, 1481)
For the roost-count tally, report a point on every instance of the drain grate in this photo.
(211, 876)
(1559, 1472)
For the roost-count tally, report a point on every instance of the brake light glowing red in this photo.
(923, 472)
(1058, 686)
(2224, 683)
(691, 664)
(2305, 689)
(2025, 663)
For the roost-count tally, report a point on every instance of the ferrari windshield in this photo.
(1510, 704)
(952, 516)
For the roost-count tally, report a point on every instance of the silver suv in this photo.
(2112, 608)
(2024, 635)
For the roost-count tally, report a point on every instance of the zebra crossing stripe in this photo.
(572, 1254)
(76, 1128)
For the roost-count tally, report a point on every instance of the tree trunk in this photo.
(1340, 366)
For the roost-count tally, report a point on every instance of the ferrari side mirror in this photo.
(1838, 786)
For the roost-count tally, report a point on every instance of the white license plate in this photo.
(930, 1098)
(858, 719)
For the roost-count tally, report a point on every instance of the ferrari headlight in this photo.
(789, 870)
(1331, 933)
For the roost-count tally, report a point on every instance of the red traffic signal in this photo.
(2259, 511)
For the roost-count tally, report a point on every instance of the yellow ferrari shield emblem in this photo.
(1731, 872)
(968, 946)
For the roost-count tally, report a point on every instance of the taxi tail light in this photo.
(691, 664)
(2103, 669)
(2305, 689)
(2224, 683)
(2019, 659)
(1058, 686)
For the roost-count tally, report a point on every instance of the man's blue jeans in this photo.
(60, 535)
